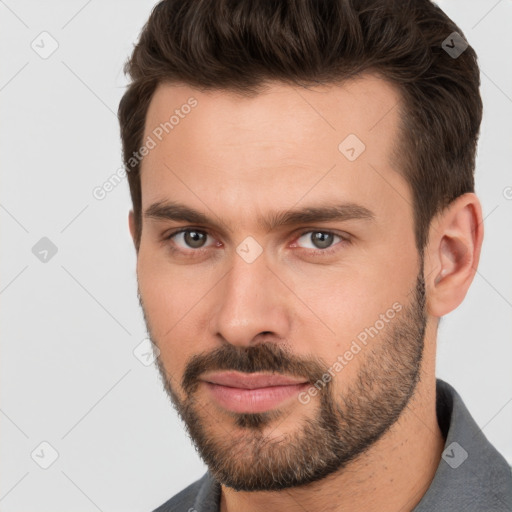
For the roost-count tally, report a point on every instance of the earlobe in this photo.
(454, 252)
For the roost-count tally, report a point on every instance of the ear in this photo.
(452, 253)
(131, 223)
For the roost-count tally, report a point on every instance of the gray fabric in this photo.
(483, 481)
(471, 477)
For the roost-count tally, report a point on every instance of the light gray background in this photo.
(68, 373)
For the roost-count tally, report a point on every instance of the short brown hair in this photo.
(240, 45)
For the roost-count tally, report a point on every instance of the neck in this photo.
(393, 474)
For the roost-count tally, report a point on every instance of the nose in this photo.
(250, 302)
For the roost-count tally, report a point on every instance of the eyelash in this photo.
(329, 250)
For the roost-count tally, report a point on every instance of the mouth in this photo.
(251, 393)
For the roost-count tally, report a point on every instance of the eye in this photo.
(318, 240)
(189, 238)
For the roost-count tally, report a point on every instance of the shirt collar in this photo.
(472, 475)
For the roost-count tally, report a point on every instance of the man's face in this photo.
(335, 302)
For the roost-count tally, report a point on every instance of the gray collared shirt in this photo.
(472, 475)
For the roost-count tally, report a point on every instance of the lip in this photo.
(252, 393)
(251, 380)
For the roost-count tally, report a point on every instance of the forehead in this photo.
(364, 105)
(277, 146)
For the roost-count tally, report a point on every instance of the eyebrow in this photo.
(169, 210)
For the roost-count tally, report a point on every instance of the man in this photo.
(304, 214)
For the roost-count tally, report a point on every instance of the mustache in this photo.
(264, 357)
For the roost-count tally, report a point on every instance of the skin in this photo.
(237, 159)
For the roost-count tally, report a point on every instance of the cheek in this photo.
(169, 292)
(348, 311)
(342, 299)
(171, 302)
